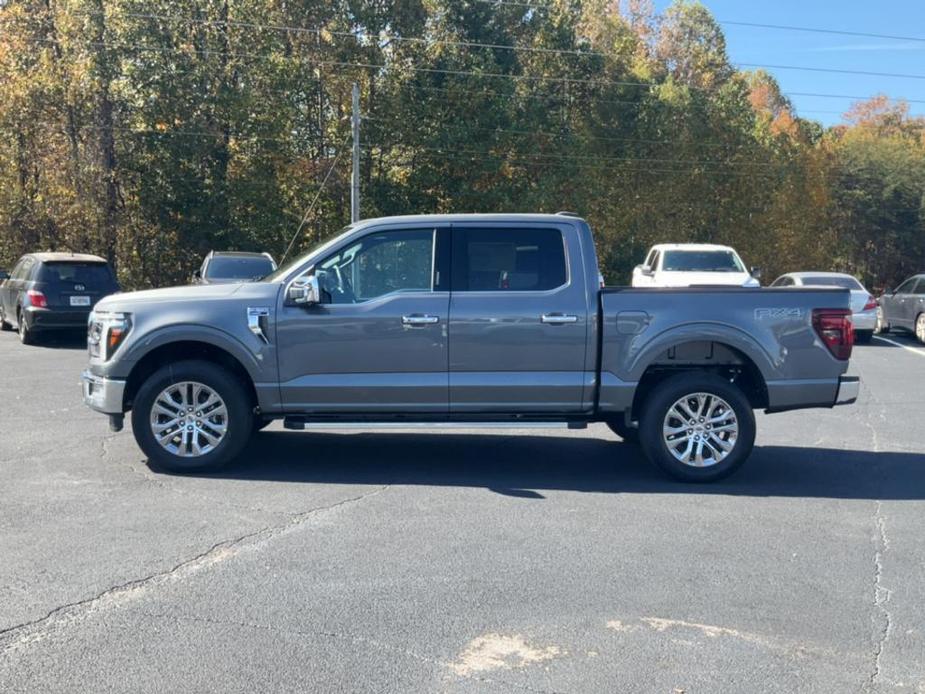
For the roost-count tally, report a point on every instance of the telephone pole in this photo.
(355, 179)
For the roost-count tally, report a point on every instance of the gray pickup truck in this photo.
(464, 320)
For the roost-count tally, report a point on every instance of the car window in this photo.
(830, 281)
(920, 287)
(649, 257)
(782, 282)
(17, 270)
(26, 268)
(655, 258)
(378, 264)
(89, 274)
(230, 267)
(509, 260)
(701, 261)
(906, 287)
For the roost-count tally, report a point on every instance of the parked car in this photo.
(473, 319)
(863, 304)
(53, 291)
(690, 264)
(904, 308)
(225, 267)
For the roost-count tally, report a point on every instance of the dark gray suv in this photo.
(53, 291)
(904, 308)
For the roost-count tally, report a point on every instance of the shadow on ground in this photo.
(525, 466)
(63, 339)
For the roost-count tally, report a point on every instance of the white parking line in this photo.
(920, 352)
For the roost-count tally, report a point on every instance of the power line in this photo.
(817, 30)
(867, 73)
(457, 72)
(315, 200)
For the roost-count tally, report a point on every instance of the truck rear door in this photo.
(518, 323)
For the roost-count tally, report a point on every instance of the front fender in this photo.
(254, 363)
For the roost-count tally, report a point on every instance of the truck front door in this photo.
(518, 320)
(377, 342)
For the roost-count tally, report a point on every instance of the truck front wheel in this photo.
(697, 427)
(192, 416)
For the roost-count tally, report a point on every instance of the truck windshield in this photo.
(239, 267)
(293, 264)
(701, 261)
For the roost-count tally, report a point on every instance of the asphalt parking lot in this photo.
(542, 561)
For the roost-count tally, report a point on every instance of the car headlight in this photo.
(105, 332)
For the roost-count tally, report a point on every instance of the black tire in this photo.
(665, 395)
(620, 428)
(882, 327)
(4, 325)
(26, 334)
(863, 337)
(226, 385)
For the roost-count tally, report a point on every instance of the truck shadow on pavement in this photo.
(525, 466)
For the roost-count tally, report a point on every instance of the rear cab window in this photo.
(825, 281)
(508, 260)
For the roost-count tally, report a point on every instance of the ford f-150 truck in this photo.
(464, 320)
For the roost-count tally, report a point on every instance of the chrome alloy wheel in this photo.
(920, 327)
(189, 419)
(700, 429)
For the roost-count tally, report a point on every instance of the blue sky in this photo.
(775, 47)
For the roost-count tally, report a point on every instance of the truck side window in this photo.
(378, 264)
(490, 260)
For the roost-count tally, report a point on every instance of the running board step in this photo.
(301, 424)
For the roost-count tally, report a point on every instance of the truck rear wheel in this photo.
(697, 427)
(192, 416)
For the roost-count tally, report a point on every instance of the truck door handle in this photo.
(558, 319)
(419, 320)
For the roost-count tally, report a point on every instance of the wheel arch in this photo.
(185, 350)
(711, 356)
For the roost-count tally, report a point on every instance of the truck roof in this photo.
(468, 217)
(691, 247)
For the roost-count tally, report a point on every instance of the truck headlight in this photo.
(106, 331)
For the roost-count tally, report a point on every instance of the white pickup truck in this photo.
(693, 264)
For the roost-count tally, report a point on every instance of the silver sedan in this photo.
(863, 304)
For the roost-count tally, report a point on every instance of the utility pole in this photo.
(355, 182)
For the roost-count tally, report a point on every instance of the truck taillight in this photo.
(834, 327)
(871, 304)
(37, 299)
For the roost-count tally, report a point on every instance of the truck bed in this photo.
(765, 335)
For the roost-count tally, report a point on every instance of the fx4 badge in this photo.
(778, 313)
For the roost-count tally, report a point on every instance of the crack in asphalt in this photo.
(25, 633)
(882, 596)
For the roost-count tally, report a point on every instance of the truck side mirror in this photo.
(756, 273)
(304, 291)
(197, 276)
(646, 270)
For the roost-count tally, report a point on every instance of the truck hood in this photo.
(196, 293)
(689, 279)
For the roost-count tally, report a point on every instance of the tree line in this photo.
(153, 131)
